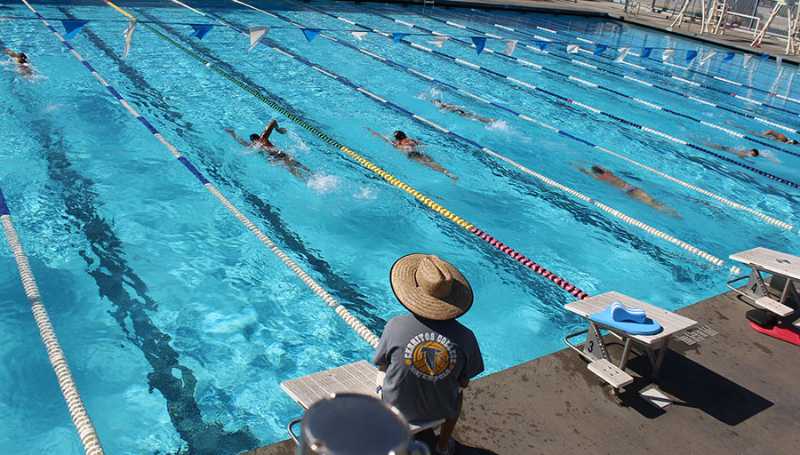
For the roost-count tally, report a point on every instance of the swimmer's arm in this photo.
(273, 125)
(238, 139)
(381, 136)
(770, 157)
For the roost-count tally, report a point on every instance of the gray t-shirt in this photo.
(425, 363)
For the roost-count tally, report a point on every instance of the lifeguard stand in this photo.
(792, 37)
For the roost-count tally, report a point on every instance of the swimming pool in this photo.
(179, 325)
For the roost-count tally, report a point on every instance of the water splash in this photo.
(323, 183)
(366, 193)
(499, 125)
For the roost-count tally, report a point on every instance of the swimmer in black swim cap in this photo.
(409, 146)
(262, 143)
(21, 59)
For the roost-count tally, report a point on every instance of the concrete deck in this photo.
(736, 40)
(736, 392)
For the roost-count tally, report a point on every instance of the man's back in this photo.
(426, 363)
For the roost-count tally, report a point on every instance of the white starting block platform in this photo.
(358, 377)
(783, 267)
(594, 349)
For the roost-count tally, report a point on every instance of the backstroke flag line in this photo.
(256, 35)
(200, 30)
(72, 27)
(479, 42)
(510, 46)
(128, 34)
(310, 33)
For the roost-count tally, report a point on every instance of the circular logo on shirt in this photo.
(430, 356)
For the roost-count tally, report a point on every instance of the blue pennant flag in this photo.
(646, 51)
(397, 37)
(311, 33)
(729, 56)
(73, 27)
(690, 55)
(480, 43)
(200, 30)
(542, 45)
(599, 49)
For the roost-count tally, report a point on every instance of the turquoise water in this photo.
(179, 325)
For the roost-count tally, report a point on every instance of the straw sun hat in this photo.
(430, 287)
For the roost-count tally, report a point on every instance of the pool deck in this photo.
(734, 39)
(735, 392)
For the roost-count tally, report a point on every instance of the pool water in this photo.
(179, 325)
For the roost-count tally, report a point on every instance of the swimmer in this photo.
(741, 153)
(23, 65)
(460, 111)
(262, 143)
(409, 146)
(780, 137)
(604, 175)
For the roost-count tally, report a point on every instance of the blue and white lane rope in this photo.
(648, 104)
(77, 411)
(530, 87)
(695, 99)
(465, 93)
(666, 74)
(375, 169)
(363, 331)
(430, 124)
(585, 65)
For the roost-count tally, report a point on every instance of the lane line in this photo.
(358, 158)
(546, 180)
(58, 360)
(763, 217)
(617, 119)
(362, 330)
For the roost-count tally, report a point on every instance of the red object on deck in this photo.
(789, 333)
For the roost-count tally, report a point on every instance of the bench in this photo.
(358, 377)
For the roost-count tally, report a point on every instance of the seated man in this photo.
(262, 143)
(427, 355)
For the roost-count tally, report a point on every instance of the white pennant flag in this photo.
(256, 35)
(128, 34)
(359, 35)
(746, 60)
(667, 55)
(439, 40)
(573, 48)
(623, 52)
(510, 46)
(707, 57)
